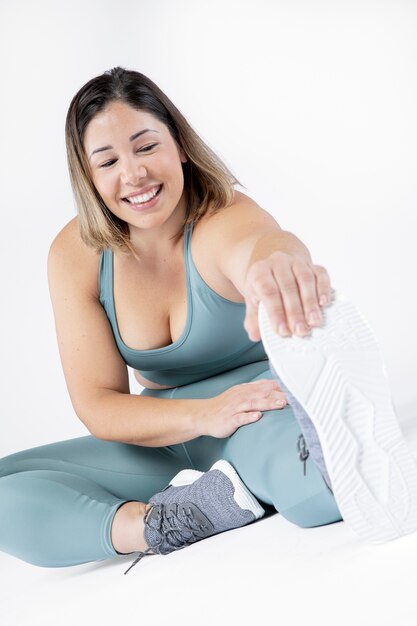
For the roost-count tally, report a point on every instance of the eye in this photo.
(147, 148)
(108, 163)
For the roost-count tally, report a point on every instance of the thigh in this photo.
(127, 471)
(204, 451)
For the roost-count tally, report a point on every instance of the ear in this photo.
(183, 156)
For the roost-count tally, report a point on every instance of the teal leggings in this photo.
(58, 501)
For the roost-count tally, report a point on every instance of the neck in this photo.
(156, 245)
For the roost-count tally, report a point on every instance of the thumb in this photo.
(251, 319)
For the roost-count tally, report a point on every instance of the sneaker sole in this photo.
(338, 376)
(243, 497)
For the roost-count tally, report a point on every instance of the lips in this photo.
(144, 196)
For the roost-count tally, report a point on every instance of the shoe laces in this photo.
(176, 525)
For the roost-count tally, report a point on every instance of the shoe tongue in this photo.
(193, 517)
(173, 526)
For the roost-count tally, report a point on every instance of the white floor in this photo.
(271, 570)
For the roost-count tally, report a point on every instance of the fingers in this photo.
(291, 297)
(259, 398)
(263, 287)
(247, 418)
(260, 403)
(239, 405)
(308, 313)
(250, 323)
(293, 292)
(267, 382)
(323, 285)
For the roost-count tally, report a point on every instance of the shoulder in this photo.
(69, 257)
(228, 237)
(243, 218)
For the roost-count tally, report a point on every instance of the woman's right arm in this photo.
(97, 377)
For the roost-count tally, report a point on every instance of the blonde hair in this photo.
(208, 182)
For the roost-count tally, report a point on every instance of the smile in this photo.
(141, 199)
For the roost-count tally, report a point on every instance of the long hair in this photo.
(208, 182)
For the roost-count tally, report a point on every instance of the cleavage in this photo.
(150, 305)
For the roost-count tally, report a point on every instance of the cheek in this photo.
(171, 165)
(176, 173)
(104, 185)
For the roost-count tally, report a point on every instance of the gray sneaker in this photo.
(196, 505)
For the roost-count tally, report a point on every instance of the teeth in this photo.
(143, 198)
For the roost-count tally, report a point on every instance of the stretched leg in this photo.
(344, 406)
(267, 456)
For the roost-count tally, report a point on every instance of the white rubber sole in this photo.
(338, 376)
(242, 495)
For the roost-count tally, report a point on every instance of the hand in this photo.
(240, 405)
(293, 292)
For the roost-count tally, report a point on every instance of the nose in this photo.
(132, 173)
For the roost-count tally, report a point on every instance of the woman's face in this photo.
(136, 166)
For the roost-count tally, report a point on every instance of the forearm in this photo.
(143, 420)
(282, 241)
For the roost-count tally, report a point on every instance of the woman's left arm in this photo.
(268, 264)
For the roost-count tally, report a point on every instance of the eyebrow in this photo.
(132, 138)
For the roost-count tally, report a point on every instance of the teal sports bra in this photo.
(213, 340)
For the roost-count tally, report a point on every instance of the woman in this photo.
(163, 270)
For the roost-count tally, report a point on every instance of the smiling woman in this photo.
(137, 172)
(164, 270)
(128, 113)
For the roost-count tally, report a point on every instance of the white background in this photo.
(311, 103)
